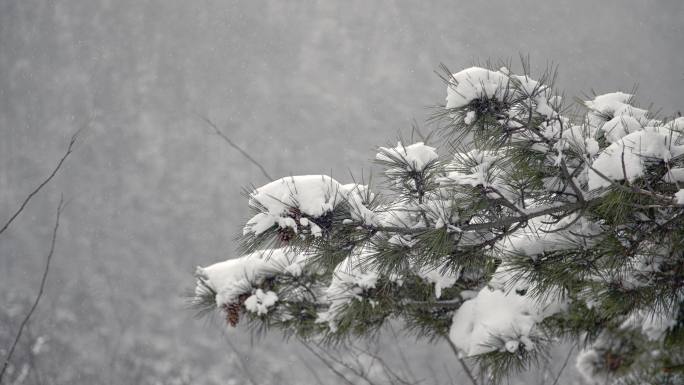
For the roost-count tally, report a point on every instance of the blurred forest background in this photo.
(306, 86)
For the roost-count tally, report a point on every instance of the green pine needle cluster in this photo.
(616, 253)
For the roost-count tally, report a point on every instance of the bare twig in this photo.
(235, 146)
(326, 363)
(43, 183)
(565, 363)
(243, 363)
(311, 369)
(390, 374)
(466, 369)
(40, 292)
(358, 372)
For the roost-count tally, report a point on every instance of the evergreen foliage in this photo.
(576, 219)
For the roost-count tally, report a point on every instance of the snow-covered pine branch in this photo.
(521, 226)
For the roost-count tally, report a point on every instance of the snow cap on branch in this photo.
(305, 196)
(234, 277)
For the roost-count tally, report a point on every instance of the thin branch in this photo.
(565, 363)
(466, 369)
(235, 146)
(311, 369)
(42, 184)
(326, 363)
(243, 364)
(40, 292)
(389, 373)
(358, 372)
(507, 221)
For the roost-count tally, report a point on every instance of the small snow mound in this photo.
(494, 313)
(589, 365)
(609, 103)
(679, 196)
(653, 326)
(440, 279)
(261, 301)
(234, 277)
(310, 196)
(350, 279)
(474, 83)
(417, 155)
(627, 158)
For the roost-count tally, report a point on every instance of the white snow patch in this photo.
(653, 326)
(261, 301)
(495, 313)
(234, 277)
(350, 279)
(473, 83)
(679, 196)
(439, 278)
(417, 155)
(592, 146)
(310, 195)
(626, 158)
(588, 364)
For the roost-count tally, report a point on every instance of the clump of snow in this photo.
(609, 103)
(310, 195)
(542, 235)
(627, 158)
(234, 277)
(620, 126)
(535, 92)
(479, 83)
(613, 114)
(480, 171)
(442, 279)
(474, 83)
(652, 325)
(592, 146)
(416, 155)
(350, 279)
(313, 195)
(589, 364)
(261, 301)
(470, 117)
(679, 196)
(495, 313)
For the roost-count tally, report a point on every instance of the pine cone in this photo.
(613, 361)
(233, 310)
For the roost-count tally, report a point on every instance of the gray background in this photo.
(307, 87)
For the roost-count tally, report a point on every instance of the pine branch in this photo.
(503, 222)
